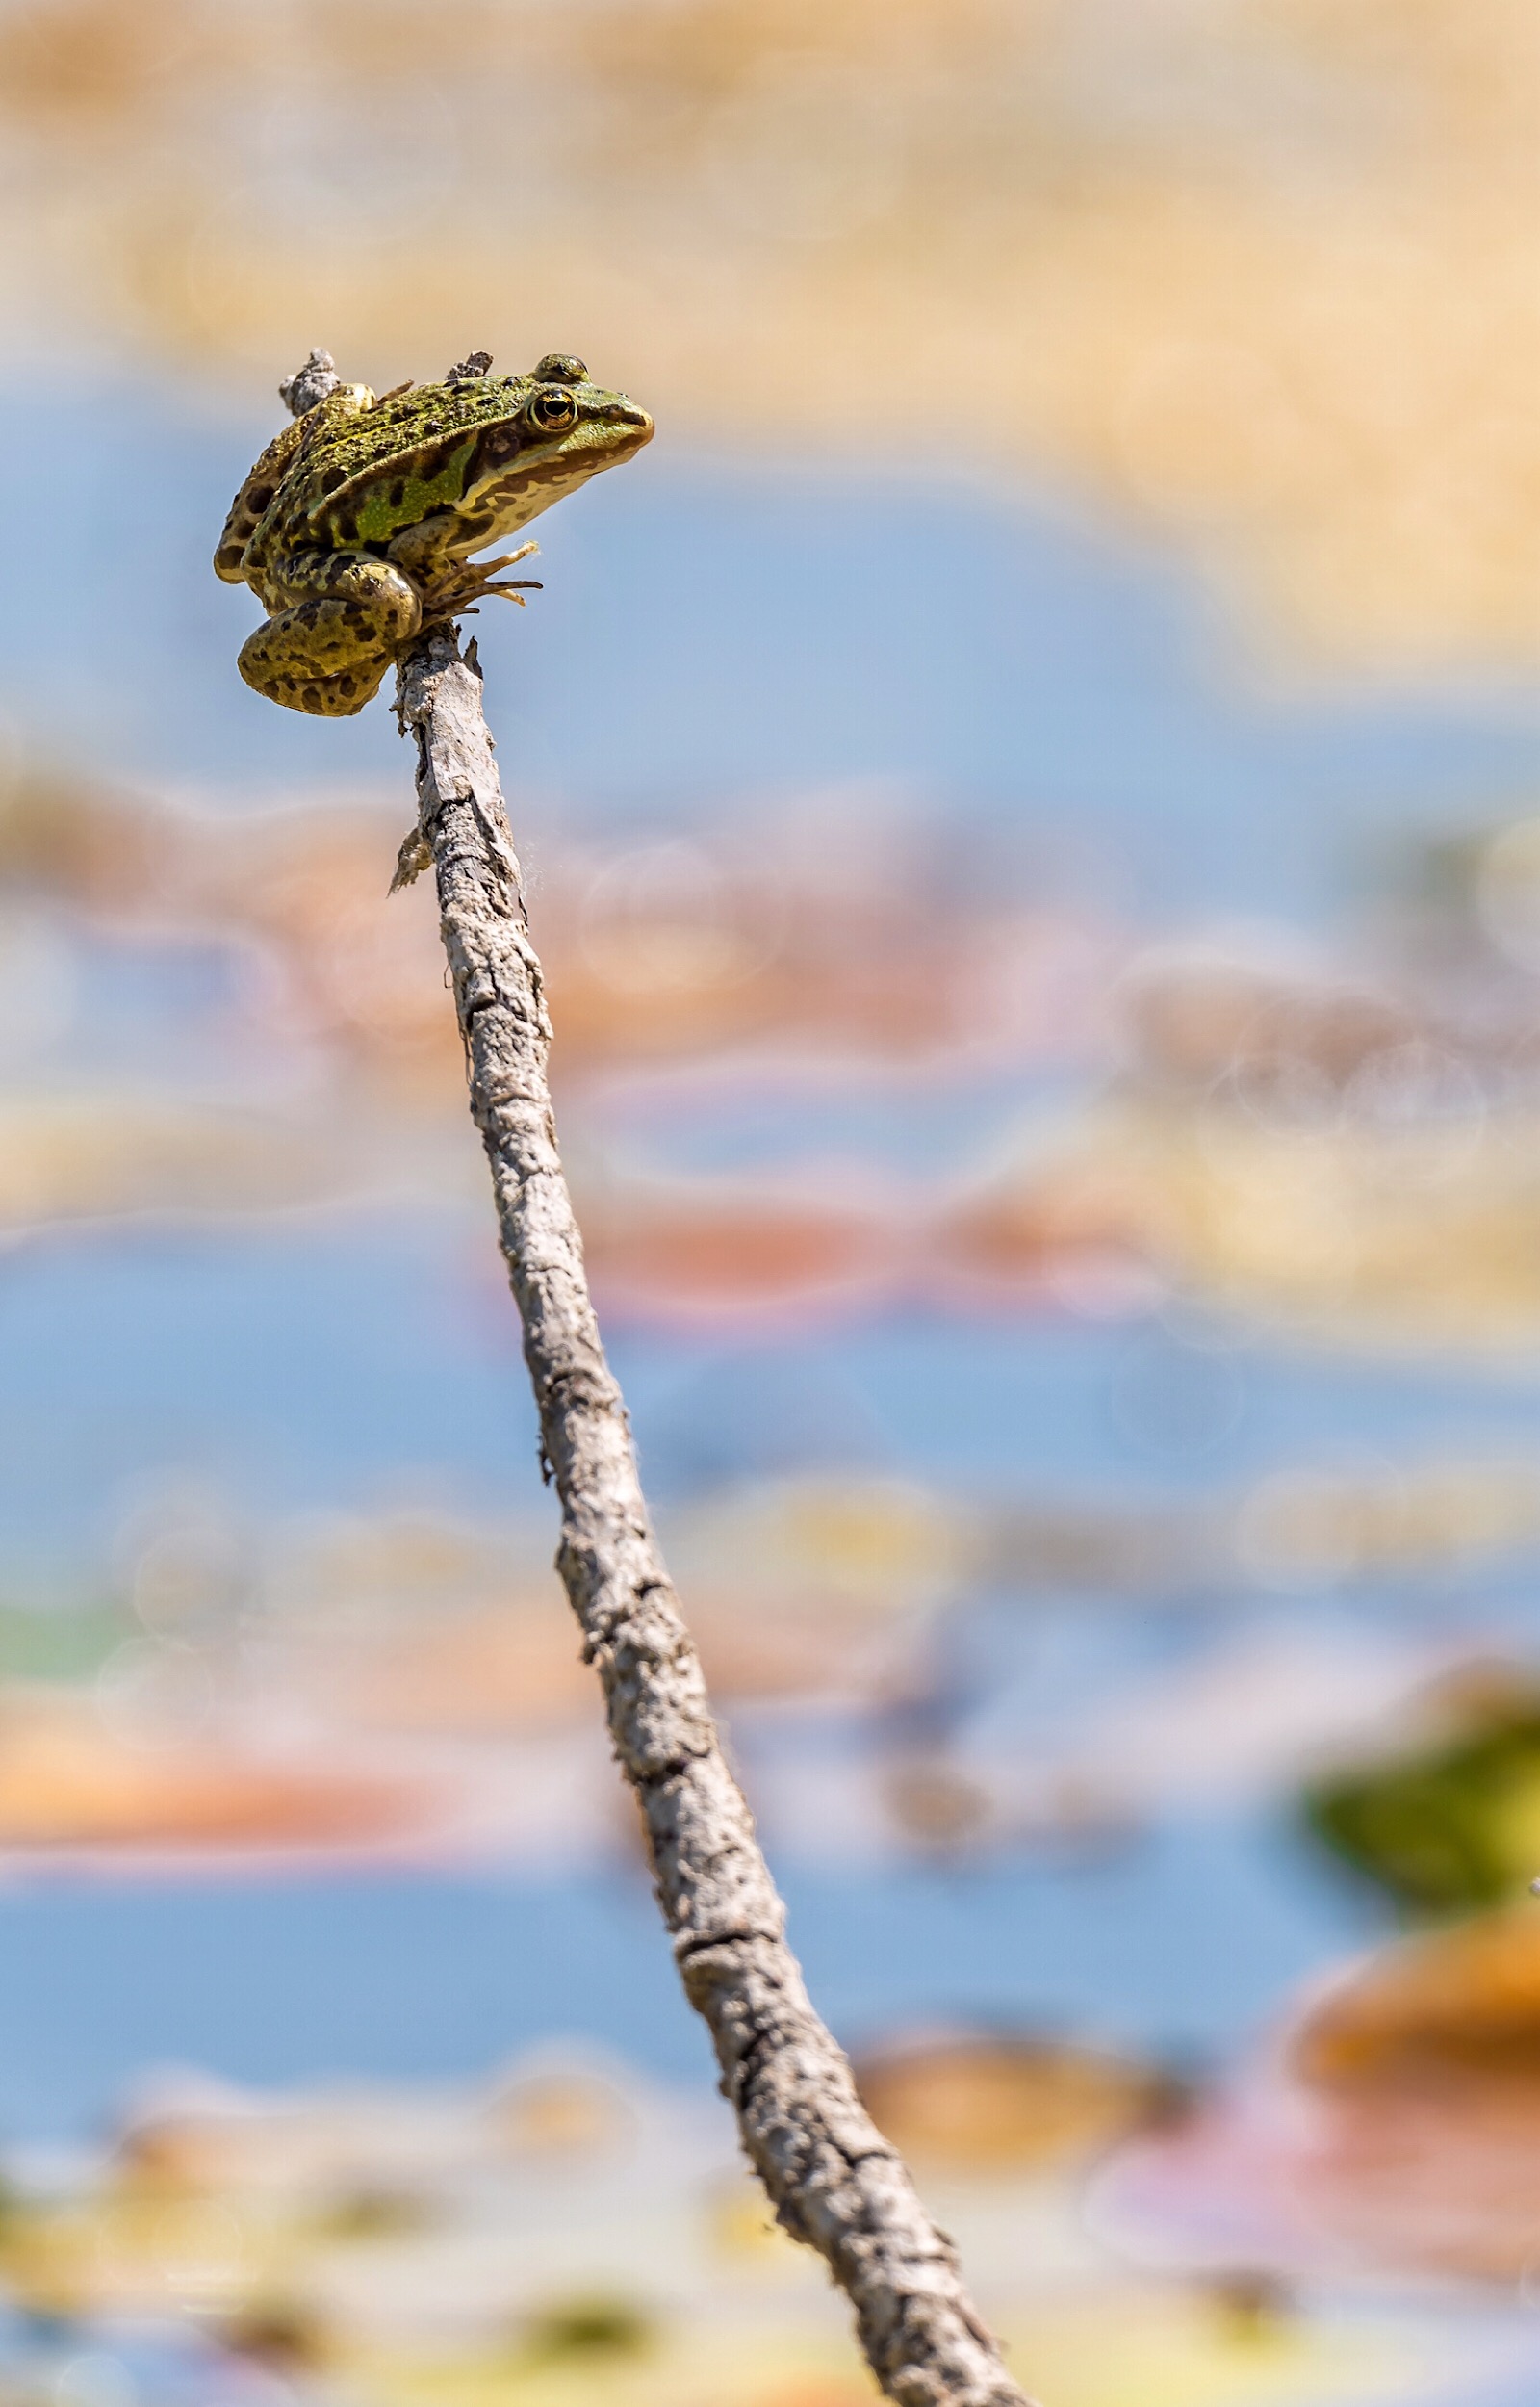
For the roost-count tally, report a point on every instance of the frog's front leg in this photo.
(433, 555)
(338, 621)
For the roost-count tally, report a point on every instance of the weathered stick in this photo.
(833, 2178)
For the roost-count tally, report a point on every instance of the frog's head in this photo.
(444, 468)
(542, 435)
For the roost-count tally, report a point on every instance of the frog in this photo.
(356, 526)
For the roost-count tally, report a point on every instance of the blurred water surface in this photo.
(1029, 793)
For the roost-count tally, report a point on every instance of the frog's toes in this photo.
(509, 559)
(463, 597)
(469, 581)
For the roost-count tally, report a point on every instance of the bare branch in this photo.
(833, 2178)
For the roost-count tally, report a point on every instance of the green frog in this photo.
(357, 523)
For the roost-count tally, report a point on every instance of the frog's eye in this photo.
(552, 409)
(560, 368)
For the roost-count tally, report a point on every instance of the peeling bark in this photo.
(833, 2180)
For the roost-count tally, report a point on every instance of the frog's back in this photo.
(361, 476)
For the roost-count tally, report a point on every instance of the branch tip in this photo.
(310, 383)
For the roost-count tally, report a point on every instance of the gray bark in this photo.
(833, 2178)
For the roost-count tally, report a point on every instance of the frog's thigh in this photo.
(361, 577)
(329, 652)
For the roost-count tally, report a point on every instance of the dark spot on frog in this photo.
(333, 478)
(397, 493)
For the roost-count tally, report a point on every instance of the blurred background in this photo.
(1031, 792)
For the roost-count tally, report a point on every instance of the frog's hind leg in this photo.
(328, 652)
(319, 656)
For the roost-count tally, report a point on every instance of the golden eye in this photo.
(552, 409)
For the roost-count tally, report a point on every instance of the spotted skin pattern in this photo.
(356, 525)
